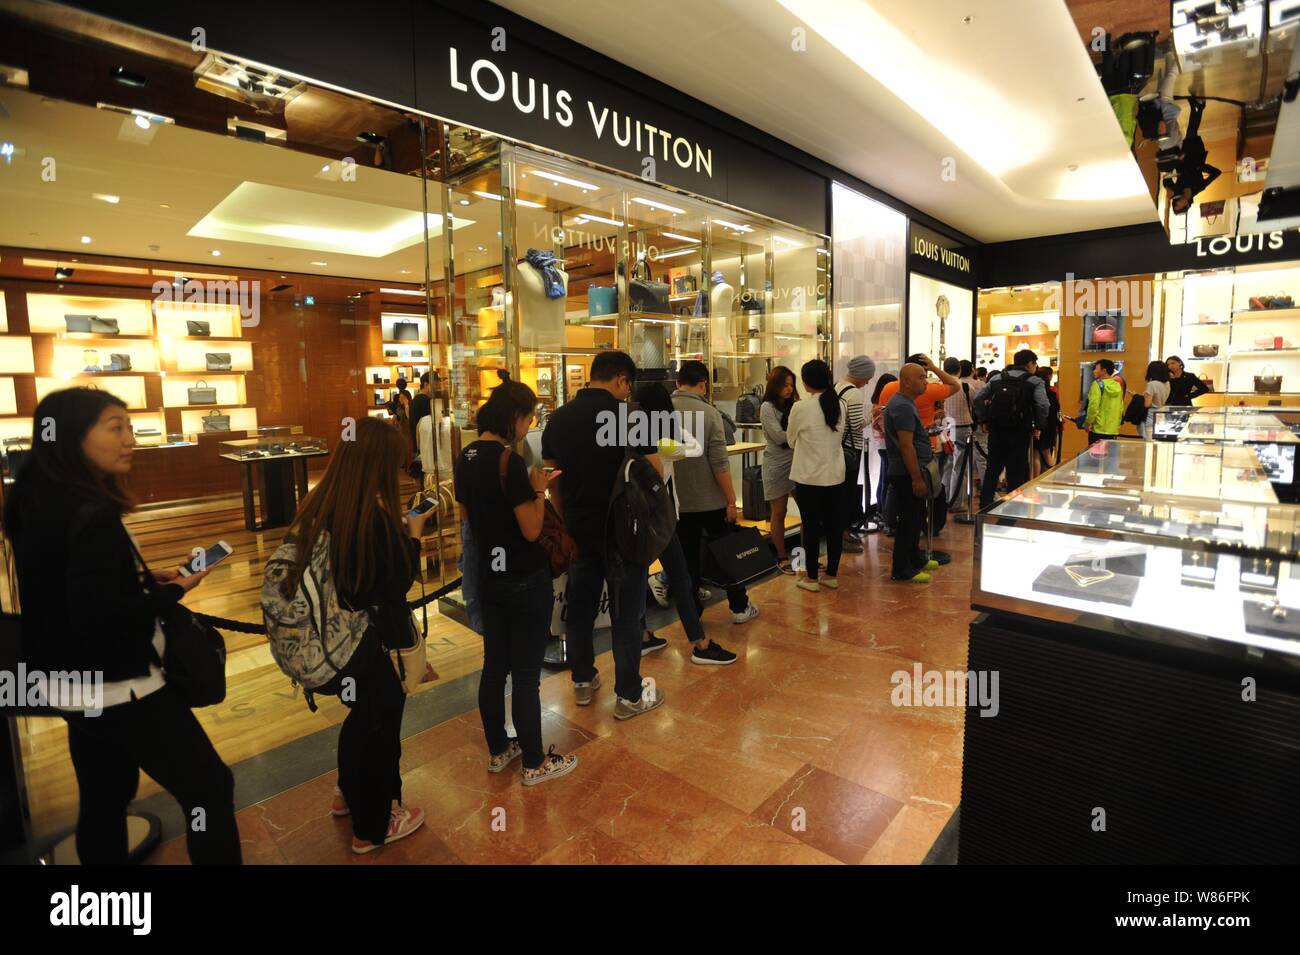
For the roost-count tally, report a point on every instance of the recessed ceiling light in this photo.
(142, 122)
(325, 168)
(594, 218)
(464, 202)
(322, 264)
(163, 205)
(86, 240)
(658, 205)
(564, 180)
(106, 197)
(404, 272)
(734, 225)
(216, 253)
(1073, 167)
(683, 238)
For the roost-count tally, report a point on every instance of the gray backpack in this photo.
(312, 635)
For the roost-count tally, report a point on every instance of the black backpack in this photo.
(1010, 402)
(1136, 412)
(747, 409)
(641, 517)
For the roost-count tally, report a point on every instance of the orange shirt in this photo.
(935, 394)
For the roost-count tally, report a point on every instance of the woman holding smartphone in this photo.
(374, 555)
(86, 608)
(506, 507)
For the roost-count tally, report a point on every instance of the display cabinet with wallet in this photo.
(1132, 628)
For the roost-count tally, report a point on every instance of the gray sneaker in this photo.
(623, 710)
(583, 692)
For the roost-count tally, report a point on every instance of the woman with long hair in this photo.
(778, 398)
(1155, 395)
(886, 519)
(816, 433)
(86, 608)
(506, 505)
(374, 557)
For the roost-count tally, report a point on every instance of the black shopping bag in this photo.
(738, 557)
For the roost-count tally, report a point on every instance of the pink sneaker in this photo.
(401, 824)
(339, 807)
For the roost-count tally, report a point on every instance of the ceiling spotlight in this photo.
(325, 168)
(106, 197)
(216, 253)
(142, 122)
(321, 264)
(126, 77)
(86, 240)
(565, 180)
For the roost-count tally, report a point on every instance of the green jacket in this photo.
(1105, 406)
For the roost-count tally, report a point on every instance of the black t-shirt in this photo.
(589, 465)
(501, 547)
(420, 407)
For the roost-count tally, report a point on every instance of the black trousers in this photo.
(160, 735)
(1009, 451)
(821, 515)
(852, 514)
(694, 529)
(908, 559)
(370, 739)
(516, 626)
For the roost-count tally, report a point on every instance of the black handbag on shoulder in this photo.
(194, 660)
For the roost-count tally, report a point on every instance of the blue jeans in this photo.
(678, 576)
(470, 588)
(517, 619)
(626, 584)
(1147, 428)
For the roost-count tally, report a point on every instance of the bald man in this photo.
(908, 451)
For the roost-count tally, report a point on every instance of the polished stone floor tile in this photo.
(756, 843)
(833, 815)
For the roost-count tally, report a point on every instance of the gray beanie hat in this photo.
(862, 367)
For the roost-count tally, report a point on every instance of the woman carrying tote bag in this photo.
(87, 607)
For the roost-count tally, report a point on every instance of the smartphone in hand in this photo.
(207, 560)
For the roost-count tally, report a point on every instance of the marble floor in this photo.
(795, 754)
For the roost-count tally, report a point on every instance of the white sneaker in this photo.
(746, 615)
(659, 589)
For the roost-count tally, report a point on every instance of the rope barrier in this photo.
(243, 626)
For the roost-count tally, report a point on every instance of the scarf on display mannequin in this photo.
(544, 262)
(701, 300)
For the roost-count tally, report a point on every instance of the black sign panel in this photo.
(931, 253)
(466, 66)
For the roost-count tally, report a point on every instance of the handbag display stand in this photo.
(280, 482)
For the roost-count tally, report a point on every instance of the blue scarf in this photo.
(552, 280)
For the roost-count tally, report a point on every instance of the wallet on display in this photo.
(1272, 620)
(1130, 563)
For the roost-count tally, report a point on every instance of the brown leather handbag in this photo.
(561, 549)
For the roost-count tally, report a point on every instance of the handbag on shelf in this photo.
(645, 295)
(406, 332)
(90, 358)
(77, 323)
(685, 283)
(602, 300)
(751, 301)
(1205, 351)
(119, 361)
(217, 360)
(1105, 333)
(201, 394)
(197, 329)
(1272, 342)
(1269, 383)
(103, 326)
(216, 421)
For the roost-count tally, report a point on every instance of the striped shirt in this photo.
(957, 407)
(851, 395)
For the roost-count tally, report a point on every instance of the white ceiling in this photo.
(1013, 89)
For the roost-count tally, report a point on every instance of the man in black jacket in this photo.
(1193, 174)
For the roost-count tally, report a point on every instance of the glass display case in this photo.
(1183, 545)
(1240, 425)
(273, 446)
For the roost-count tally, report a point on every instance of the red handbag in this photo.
(1104, 334)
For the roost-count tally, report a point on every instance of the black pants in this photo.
(851, 514)
(821, 513)
(908, 559)
(1008, 450)
(160, 735)
(370, 739)
(694, 529)
(516, 626)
